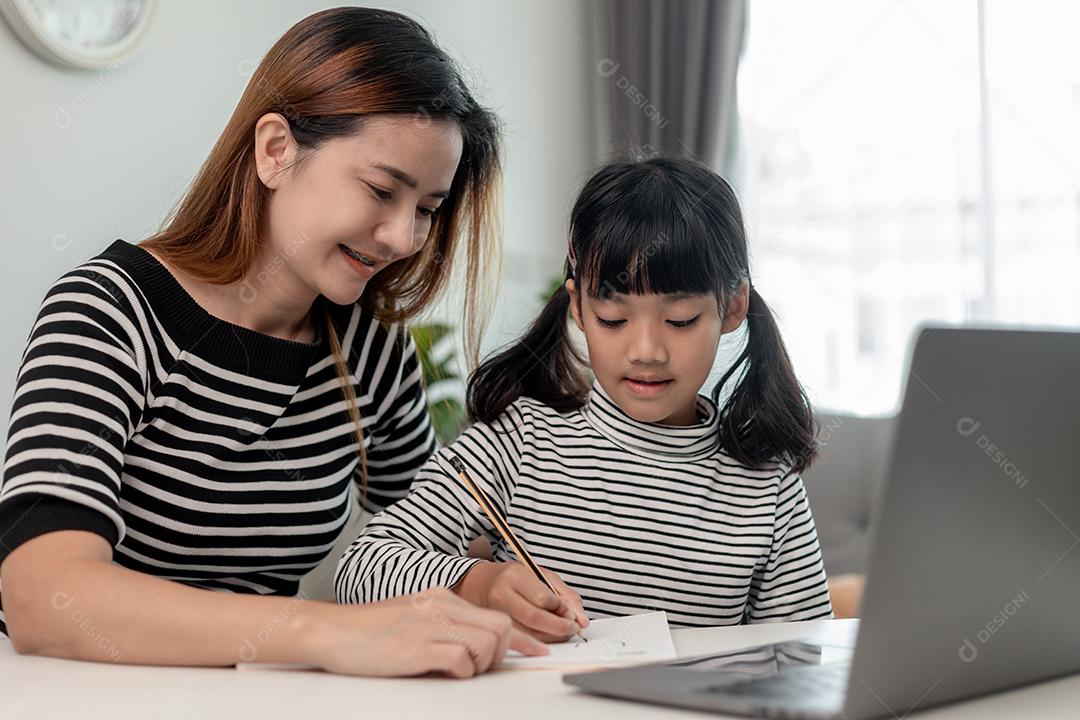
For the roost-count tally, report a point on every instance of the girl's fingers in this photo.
(539, 620)
(582, 618)
(565, 602)
(540, 637)
(537, 593)
(570, 599)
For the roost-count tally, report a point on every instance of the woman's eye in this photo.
(683, 323)
(380, 193)
(610, 324)
(427, 212)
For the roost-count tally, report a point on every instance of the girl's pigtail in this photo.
(543, 365)
(768, 415)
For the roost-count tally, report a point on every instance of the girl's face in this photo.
(653, 353)
(356, 204)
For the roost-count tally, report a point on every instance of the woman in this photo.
(191, 411)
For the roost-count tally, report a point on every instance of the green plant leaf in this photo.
(438, 362)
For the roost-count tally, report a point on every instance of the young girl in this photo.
(636, 493)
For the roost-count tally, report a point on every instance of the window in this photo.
(891, 173)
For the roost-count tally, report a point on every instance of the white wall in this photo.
(87, 157)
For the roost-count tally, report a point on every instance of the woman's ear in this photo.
(736, 309)
(275, 150)
(575, 309)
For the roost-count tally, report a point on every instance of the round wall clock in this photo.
(89, 34)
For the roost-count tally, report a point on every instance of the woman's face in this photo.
(355, 204)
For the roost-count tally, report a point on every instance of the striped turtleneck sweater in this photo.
(203, 451)
(634, 516)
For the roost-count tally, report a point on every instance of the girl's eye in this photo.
(610, 324)
(427, 212)
(683, 323)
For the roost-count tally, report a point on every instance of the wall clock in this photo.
(88, 34)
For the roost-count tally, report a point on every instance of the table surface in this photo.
(44, 688)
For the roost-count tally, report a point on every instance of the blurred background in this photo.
(898, 161)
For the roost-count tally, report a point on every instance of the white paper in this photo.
(612, 641)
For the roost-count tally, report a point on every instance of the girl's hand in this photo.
(512, 588)
(433, 631)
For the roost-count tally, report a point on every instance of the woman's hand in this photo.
(58, 584)
(432, 631)
(512, 588)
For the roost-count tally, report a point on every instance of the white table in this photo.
(43, 689)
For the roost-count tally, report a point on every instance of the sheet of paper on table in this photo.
(612, 641)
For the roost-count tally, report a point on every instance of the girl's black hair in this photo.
(661, 225)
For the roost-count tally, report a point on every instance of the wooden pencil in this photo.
(503, 527)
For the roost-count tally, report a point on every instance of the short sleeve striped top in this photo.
(203, 451)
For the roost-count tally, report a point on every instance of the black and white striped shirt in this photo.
(633, 516)
(203, 451)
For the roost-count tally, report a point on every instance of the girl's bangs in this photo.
(638, 255)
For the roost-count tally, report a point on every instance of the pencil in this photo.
(503, 527)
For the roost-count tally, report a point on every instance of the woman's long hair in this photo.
(661, 225)
(327, 74)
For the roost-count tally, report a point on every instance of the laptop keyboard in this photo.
(815, 688)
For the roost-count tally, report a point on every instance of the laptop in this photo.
(974, 573)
